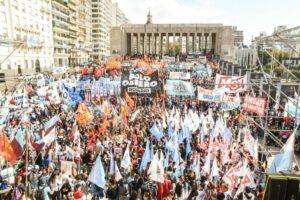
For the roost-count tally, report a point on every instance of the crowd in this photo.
(59, 142)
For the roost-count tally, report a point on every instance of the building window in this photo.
(26, 64)
(32, 64)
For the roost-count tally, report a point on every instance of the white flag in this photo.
(97, 175)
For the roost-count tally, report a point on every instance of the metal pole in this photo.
(266, 119)
(26, 165)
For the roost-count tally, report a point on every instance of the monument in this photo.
(150, 38)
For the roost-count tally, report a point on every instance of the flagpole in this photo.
(26, 164)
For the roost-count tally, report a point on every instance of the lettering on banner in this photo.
(233, 83)
(138, 83)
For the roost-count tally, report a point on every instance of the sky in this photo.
(251, 16)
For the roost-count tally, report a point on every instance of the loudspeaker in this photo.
(282, 188)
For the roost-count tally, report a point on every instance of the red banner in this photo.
(233, 83)
(255, 105)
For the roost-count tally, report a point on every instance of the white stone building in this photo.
(118, 17)
(101, 23)
(26, 39)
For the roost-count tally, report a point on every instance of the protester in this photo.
(89, 137)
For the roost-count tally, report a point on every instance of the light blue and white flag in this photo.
(284, 161)
(97, 175)
(126, 161)
(155, 132)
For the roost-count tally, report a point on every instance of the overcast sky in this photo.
(251, 16)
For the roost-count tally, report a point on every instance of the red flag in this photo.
(6, 149)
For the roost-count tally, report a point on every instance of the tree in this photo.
(174, 49)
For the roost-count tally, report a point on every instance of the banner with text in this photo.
(179, 88)
(136, 83)
(180, 75)
(210, 95)
(292, 109)
(233, 83)
(230, 102)
(255, 105)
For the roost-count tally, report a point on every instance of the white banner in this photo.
(230, 102)
(233, 83)
(180, 75)
(215, 95)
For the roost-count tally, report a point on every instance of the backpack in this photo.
(39, 194)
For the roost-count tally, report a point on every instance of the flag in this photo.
(6, 149)
(156, 169)
(19, 142)
(126, 161)
(111, 164)
(284, 160)
(118, 175)
(146, 157)
(206, 167)
(97, 175)
(215, 169)
(226, 134)
(188, 147)
(130, 102)
(155, 132)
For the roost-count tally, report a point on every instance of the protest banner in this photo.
(233, 83)
(136, 83)
(210, 95)
(179, 88)
(254, 104)
(180, 75)
(291, 108)
(230, 102)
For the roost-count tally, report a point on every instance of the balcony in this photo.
(63, 3)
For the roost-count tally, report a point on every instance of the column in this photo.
(199, 42)
(159, 43)
(194, 42)
(187, 42)
(205, 42)
(153, 43)
(209, 41)
(180, 42)
(131, 44)
(138, 43)
(167, 43)
(149, 43)
(145, 43)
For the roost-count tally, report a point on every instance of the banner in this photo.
(106, 87)
(210, 95)
(202, 71)
(180, 75)
(139, 84)
(230, 102)
(233, 83)
(255, 105)
(179, 88)
(291, 108)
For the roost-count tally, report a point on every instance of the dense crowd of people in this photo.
(140, 147)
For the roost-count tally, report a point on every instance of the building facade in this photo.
(72, 25)
(238, 38)
(26, 39)
(118, 17)
(152, 38)
(101, 26)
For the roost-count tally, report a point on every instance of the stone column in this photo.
(205, 42)
(199, 42)
(145, 43)
(138, 43)
(131, 44)
(167, 43)
(149, 43)
(209, 41)
(187, 42)
(180, 42)
(159, 43)
(194, 42)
